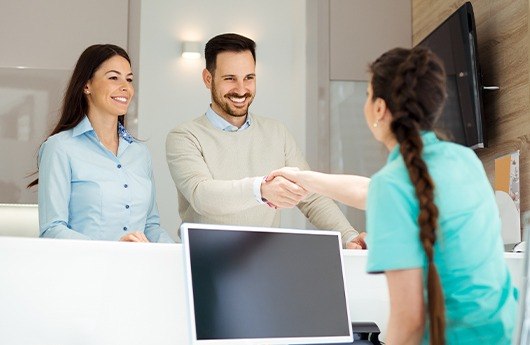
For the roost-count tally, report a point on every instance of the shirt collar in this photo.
(85, 126)
(428, 137)
(124, 134)
(218, 122)
(82, 127)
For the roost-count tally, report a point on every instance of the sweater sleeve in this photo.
(321, 211)
(193, 179)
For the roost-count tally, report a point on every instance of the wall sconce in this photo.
(191, 50)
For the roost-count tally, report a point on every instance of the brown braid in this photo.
(415, 93)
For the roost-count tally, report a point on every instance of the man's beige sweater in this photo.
(214, 171)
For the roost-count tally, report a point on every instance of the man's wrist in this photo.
(349, 236)
(257, 190)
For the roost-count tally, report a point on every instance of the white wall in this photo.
(170, 89)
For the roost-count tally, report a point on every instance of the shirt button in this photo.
(124, 228)
(125, 185)
(119, 166)
(126, 206)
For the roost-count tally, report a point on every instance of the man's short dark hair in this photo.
(227, 43)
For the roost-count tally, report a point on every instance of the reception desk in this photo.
(92, 292)
(368, 294)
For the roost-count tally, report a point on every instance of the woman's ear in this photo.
(380, 109)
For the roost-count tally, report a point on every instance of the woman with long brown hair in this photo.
(432, 221)
(95, 180)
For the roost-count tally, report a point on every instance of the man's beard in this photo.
(224, 104)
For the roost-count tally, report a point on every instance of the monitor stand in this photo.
(364, 333)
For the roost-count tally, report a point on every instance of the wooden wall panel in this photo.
(503, 49)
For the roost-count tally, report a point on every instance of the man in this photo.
(219, 160)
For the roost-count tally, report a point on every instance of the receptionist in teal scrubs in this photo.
(95, 180)
(432, 221)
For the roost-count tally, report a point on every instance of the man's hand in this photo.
(358, 242)
(281, 192)
(136, 236)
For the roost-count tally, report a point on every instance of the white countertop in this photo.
(94, 292)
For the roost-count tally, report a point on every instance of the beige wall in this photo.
(360, 31)
(46, 39)
(52, 34)
(343, 36)
(503, 48)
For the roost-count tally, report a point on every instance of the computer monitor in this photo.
(251, 285)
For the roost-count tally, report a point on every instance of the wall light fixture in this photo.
(191, 50)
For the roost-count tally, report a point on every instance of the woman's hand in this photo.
(290, 173)
(135, 236)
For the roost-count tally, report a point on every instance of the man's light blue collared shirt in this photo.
(87, 192)
(220, 123)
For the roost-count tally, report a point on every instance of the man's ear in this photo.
(207, 78)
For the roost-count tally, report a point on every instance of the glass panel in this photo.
(29, 105)
(353, 147)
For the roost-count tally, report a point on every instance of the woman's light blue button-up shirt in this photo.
(87, 192)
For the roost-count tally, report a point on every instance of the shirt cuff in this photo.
(257, 190)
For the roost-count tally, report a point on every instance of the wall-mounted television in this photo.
(455, 42)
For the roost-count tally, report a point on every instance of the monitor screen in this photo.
(265, 286)
(455, 42)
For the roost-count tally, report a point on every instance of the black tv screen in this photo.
(265, 285)
(455, 42)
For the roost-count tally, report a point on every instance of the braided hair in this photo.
(412, 83)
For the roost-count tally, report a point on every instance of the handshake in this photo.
(284, 188)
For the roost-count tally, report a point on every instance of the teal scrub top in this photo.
(480, 298)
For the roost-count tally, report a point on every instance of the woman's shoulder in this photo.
(449, 145)
(62, 136)
(392, 179)
(59, 140)
(57, 145)
(394, 170)
(453, 152)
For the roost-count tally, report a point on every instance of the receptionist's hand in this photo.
(135, 236)
(282, 193)
(358, 242)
